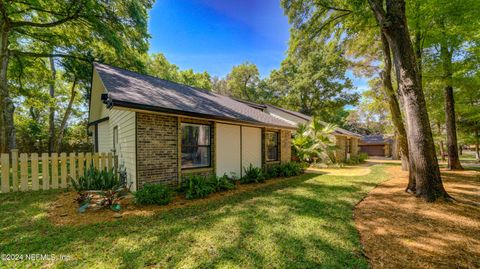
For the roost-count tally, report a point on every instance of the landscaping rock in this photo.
(117, 215)
(63, 215)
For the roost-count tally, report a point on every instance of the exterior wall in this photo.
(340, 142)
(251, 146)
(157, 149)
(354, 142)
(124, 120)
(228, 150)
(285, 146)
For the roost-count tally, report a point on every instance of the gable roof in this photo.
(300, 116)
(376, 140)
(130, 89)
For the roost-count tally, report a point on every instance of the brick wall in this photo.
(157, 145)
(285, 146)
(340, 142)
(354, 142)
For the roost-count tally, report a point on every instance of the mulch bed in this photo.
(398, 230)
(63, 211)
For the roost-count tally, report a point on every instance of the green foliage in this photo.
(252, 174)
(153, 194)
(197, 186)
(357, 159)
(158, 66)
(223, 183)
(242, 81)
(285, 170)
(314, 141)
(95, 179)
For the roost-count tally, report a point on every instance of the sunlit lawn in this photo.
(303, 222)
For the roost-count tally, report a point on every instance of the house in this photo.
(162, 131)
(377, 145)
(346, 141)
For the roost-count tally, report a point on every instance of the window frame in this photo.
(277, 146)
(209, 146)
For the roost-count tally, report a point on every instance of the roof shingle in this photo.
(127, 88)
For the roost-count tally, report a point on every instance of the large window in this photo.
(272, 145)
(196, 146)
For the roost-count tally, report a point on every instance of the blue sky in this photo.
(215, 35)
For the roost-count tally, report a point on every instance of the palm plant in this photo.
(314, 140)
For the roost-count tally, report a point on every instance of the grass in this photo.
(303, 222)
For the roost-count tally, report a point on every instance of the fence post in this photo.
(5, 172)
(15, 169)
(54, 170)
(103, 156)
(63, 175)
(73, 167)
(110, 160)
(88, 159)
(80, 164)
(45, 172)
(96, 163)
(34, 168)
(24, 172)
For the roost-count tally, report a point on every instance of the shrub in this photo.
(197, 186)
(223, 183)
(252, 175)
(154, 194)
(285, 170)
(357, 159)
(94, 179)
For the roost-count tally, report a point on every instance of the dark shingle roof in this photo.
(131, 89)
(375, 140)
(338, 130)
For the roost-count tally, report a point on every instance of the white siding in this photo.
(125, 149)
(227, 138)
(104, 143)
(251, 146)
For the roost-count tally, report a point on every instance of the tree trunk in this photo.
(51, 115)
(394, 106)
(7, 108)
(477, 146)
(68, 110)
(423, 162)
(442, 150)
(452, 147)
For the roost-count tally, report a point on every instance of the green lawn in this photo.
(303, 222)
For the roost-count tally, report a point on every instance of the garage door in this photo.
(251, 146)
(373, 150)
(227, 155)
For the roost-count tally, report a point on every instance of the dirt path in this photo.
(400, 231)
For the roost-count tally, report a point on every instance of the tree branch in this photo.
(73, 16)
(45, 55)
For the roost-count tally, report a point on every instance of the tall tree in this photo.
(312, 80)
(74, 28)
(313, 17)
(243, 80)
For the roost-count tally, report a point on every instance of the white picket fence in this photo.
(25, 172)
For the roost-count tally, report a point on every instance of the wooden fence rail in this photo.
(25, 172)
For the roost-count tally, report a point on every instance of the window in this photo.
(272, 145)
(115, 137)
(195, 145)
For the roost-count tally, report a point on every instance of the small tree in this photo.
(313, 140)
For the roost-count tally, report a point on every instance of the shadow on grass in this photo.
(302, 222)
